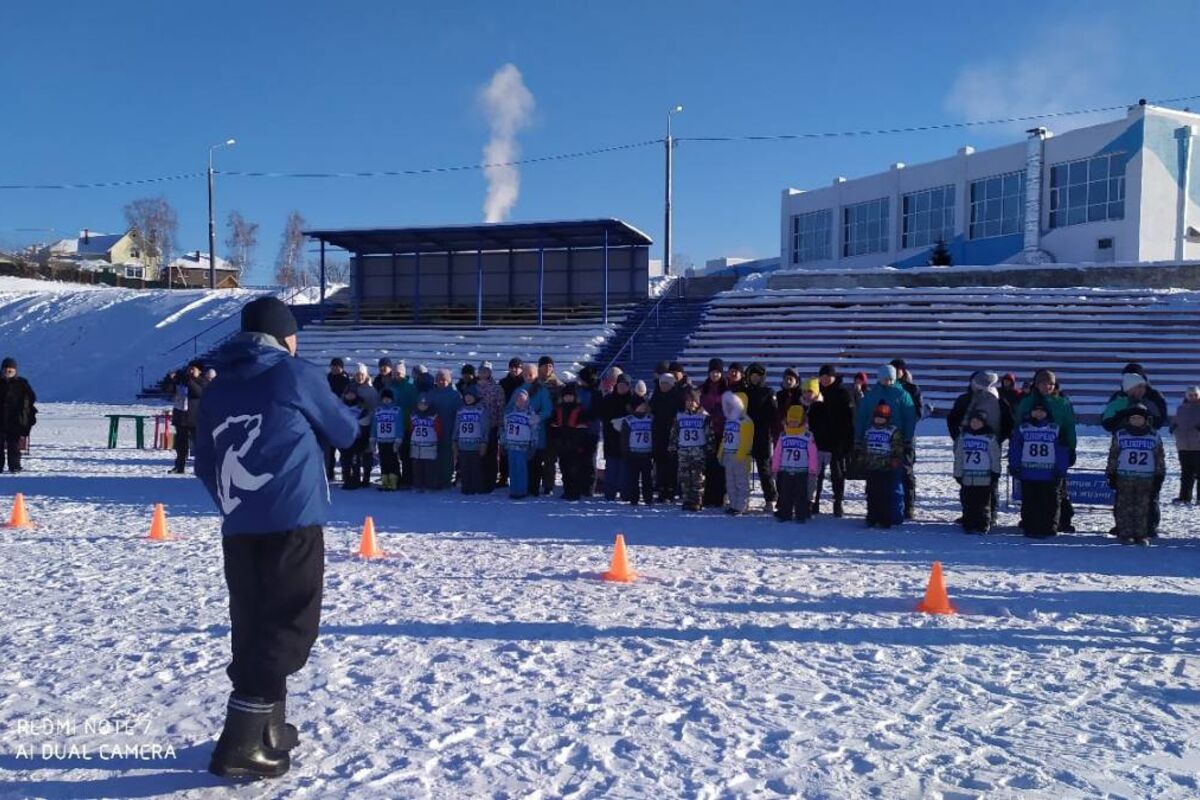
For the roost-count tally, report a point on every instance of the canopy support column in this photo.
(479, 288)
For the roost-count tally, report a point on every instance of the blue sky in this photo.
(121, 90)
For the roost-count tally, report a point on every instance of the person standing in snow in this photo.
(795, 463)
(425, 433)
(711, 391)
(446, 401)
(18, 414)
(512, 381)
(1039, 457)
(338, 381)
(614, 406)
(977, 471)
(734, 452)
(1047, 391)
(518, 438)
(909, 384)
(832, 423)
(665, 404)
(1186, 427)
(188, 388)
(637, 446)
(1136, 469)
(491, 398)
(260, 433)
(470, 438)
(760, 408)
(385, 438)
(692, 442)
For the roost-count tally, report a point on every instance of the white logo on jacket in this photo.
(230, 472)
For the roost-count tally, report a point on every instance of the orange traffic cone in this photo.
(620, 570)
(158, 525)
(368, 547)
(20, 517)
(936, 601)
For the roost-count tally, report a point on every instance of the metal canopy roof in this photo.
(552, 235)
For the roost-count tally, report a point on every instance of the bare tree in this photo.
(157, 225)
(290, 269)
(337, 272)
(242, 240)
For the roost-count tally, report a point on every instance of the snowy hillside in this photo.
(484, 659)
(88, 343)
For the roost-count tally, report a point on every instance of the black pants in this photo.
(183, 435)
(837, 477)
(976, 507)
(639, 469)
(881, 497)
(275, 582)
(573, 465)
(714, 483)
(490, 461)
(1041, 505)
(406, 467)
(11, 449)
(910, 479)
(470, 471)
(358, 460)
(330, 462)
(666, 472)
(389, 459)
(793, 496)
(588, 474)
(765, 478)
(548, 467)
(502, 474)
(1189, 467)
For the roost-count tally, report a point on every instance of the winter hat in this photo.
(1039, 403)
(736, 366)
(521, 392)
(1191, 390)
(422, 369)
(268, 315)
(623, 378)
(676, 366)
(9, 362)
(587, 374)
(756, 367)
(811, 385)
(827, 369)
(692, 394)
(197, 363)
(1011, 378)
(1137, 409)
(336, 362)
(385, 362)
(1134, 367)
(887, 372)
(514, 362)
(400, 368)
(983, 380)
(733, 404)
(639, 388)
(899, 364)
(445, 373)
(666, 381)
(883, 410)
(661, 367)
(485, 365)
(795, 417)
(1045, 374)
(716, 365)
(471, 391)
(979, 414)
(467, 369)
(388, 394)
(788, 372)
(545, 361)
(361, 369)
(571, 388)
(1131, 380)
(860, 377)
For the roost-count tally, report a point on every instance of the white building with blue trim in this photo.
(1125, 191)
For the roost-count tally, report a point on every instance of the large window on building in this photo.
(1088, 190)
(998, 205)
(865, 228)
(811, 235)
(927, 217)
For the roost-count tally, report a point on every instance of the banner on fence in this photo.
(1084, 487)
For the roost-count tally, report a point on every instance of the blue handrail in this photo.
(667, 292)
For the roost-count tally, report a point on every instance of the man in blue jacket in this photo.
(260, 438)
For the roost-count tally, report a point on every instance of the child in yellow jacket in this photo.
(734, 452)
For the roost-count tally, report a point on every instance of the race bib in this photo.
(517, 429)
(469, 424)
(733, 432)
(423, 432)
(1136, 454)
(1037, 451)
(794, 453)
(975, 453)
(639, 435)
(879, 441)
(691, 431)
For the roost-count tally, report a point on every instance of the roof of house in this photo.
(198, 260)
(97, 244)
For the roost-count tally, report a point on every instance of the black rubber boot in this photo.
(241, 752)
(279, 733)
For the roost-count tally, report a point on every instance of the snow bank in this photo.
(83, 343)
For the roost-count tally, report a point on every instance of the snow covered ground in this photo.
(484, 659)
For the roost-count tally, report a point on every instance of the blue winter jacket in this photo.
(260, 434)
(904, 413)
(541, 404)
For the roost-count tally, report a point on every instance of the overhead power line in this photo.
(395, 173)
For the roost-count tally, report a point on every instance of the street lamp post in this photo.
(670, 143)
(212, 225)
